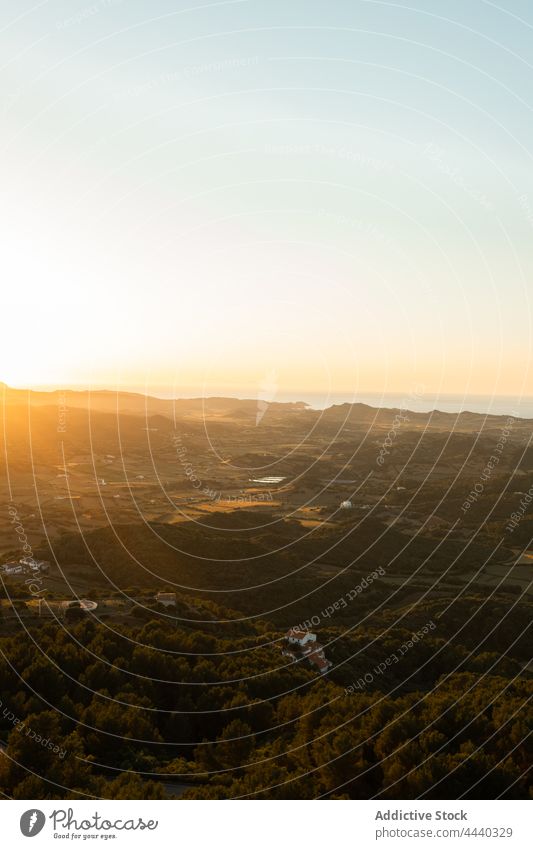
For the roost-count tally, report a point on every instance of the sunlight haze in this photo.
(342, 202)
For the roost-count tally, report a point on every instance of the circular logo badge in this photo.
(32, 822)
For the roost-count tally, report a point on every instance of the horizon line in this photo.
(409, 400)
(298, 394)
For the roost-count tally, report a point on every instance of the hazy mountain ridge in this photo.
(132, 403)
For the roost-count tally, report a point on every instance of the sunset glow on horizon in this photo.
(233, 199)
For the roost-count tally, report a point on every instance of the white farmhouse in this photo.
(299, 637)
(166, 599)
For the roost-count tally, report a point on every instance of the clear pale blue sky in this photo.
(308, 193)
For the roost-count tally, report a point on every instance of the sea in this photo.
(497, 405)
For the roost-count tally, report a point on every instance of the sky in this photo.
(265, 199)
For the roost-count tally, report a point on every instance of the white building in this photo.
(308, 649)
(346, 505)
(167, 599)
(34, 565)
(297, 636)
(13, 569)
(24, 566)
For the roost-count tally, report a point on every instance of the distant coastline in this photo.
(498, 405)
